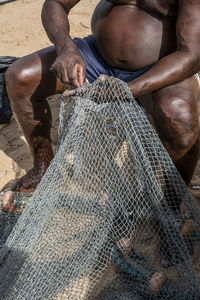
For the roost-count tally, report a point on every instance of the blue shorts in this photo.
(96, 65)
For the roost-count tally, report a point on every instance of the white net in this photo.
(111, 218)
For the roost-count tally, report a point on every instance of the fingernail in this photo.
(102, 78)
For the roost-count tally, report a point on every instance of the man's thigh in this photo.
(175, 112)
(34, 71)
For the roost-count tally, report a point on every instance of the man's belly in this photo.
(130, 38)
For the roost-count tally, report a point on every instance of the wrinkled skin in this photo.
(141, 32)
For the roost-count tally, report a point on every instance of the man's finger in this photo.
(64, 76)
(73, 76)
(102, 78)
(57, 71)
(69, 92)
(72, 92)
(53, 70)
(81, 74)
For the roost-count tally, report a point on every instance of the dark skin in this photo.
(141, 32)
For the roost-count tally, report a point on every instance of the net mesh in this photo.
(111, 218)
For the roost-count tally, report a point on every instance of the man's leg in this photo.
(175, 113)
(29, 80)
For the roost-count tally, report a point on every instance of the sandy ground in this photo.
(21, 33)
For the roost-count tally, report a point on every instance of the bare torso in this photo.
(134, 34)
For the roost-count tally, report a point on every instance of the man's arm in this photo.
(181, 64)
(69, 65)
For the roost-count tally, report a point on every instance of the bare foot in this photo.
(8, 202)
(156, 282)
(187, 231)
(26, 183)
(188, 228)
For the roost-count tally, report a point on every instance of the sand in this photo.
(21, 33)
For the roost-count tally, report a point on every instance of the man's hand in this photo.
(72, 92)
(105, 89)
(69, 66)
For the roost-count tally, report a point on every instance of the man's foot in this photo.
(156, 282)
(187, 230)
(27, 183)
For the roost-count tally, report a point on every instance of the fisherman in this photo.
(153, 45)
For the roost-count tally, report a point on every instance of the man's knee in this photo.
(21, 78)
(17, 75)
(176, 119)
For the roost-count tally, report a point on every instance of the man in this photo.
(153, 45)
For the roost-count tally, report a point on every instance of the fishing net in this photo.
(111, 219)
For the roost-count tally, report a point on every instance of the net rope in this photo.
(111, 218)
